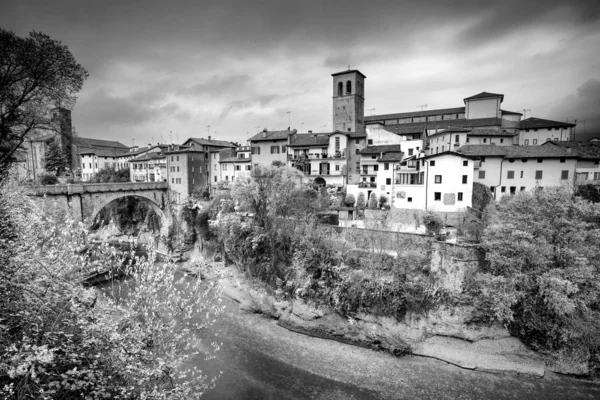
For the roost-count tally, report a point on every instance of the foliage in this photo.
(588, 192)
(350, 200)
(433, 223)
(48, 179)
(373, 201)
(128, 213)
(543, 258)
(56, 161)
(482, 196)
(361, 200)
(36, 74)
(111, 174)
(383, 201)
(62, 340)
(278, 163)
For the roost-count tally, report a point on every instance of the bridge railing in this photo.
(95, 187)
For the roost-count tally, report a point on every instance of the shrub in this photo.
(48, 179)
(383, 201)
(373, 201)
(350, 200)
(433, 223)
(361, 201)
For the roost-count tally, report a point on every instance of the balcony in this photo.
(367, 185)
(242, 148)
(317, 156)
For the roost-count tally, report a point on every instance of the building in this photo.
(587, 169)
(149, 167)
(509, 169)
(348, 101)
(95, 154)
(186, 171)
(211, 147)
(267, 147)
(537, 131)
(234, 162)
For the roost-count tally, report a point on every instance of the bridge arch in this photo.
(153, 203)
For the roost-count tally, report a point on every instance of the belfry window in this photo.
(340, 89)
(348, 87)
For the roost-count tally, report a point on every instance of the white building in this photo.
(234, 162)
(537, 131)
(587, 169)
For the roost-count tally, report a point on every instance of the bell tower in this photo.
(349, 101)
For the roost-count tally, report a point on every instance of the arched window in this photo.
(348, 87)
(340, 89)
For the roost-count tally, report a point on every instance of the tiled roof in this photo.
(93, 143)
(510, 112)
(490, 132)
(419, 127)
(534, 123)
(484, 95)
(450, 130)
(349, 72)
(149, 156)
(412, 114)
(270, 135)
(380, 149)
(517, 151)
(211, 142)
(356, 134)
(587, 150)
(454, 153)
(103, 151)
(391, 156)
(309, 139)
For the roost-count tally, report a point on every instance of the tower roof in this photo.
(350, 71)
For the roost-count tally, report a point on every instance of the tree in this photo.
(278, 163)
(350, 200)
(55, 159)
(361, 200)
(383, 201)
(433, 223)
(111, 174)
(37, 73)
(373, 201)
(588, 192)
(540, 278)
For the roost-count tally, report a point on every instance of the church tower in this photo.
(349, 101)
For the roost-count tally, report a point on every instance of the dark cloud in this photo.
(218, 85)
(583, 107)
(244, 106)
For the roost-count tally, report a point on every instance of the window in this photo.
(438, 179)
(177, 158)
(460, 196)
(432, 163)
(534, 141)
(337, 144)
(481, 174)
(192, 168)
(437, 196)
(348, 87)
(238, 168)
(370, 141)
(492, 189)
(564, 175)
(410, 152)
(484, 140)
(357, 141)
(522, 174)
(376, 168)
(386, 166)
(215, 178)
(547, 139)
(501, 140)
(465, 163)
(522, 188)
(513, 190)
(248, 167)
(468, 140)
(539, 174)
(357, 165)
(340, 89)
(596, 176)
(539, 160)
(409, 199)
(464, 179)
(283, 149)
(510, 175)
(388, 181)
(274, 149)
(373, 157)
(562, 160)
(337, 167)
(177, 169)
(356, 151)
(172, 180)
(503, 189)
(171, 158)
(526, 142)
(372, 179)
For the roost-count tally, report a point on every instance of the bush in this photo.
(48, 179)
(383, 201)
(350, 200)
(433, 223)
(361, 201)
(588, 192)
(373, 201)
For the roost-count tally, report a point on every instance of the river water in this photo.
(261, 360)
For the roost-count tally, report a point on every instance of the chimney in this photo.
(209, 138)
(309, 131)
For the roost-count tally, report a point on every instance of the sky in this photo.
(164, 71)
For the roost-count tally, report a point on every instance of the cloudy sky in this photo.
(240, 66)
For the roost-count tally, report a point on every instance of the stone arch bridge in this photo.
(82, 202)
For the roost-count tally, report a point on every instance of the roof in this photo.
(449, 152)
(381, 149)
(510, 112)
(391, 156)
(535, 123)
(93, 143)
(424, 113)
(517, 151)
(149, 156)
(484, 95)
(271, 135)
(309, 139)
(349, 71)
(490, 132)
(103, 151)
(451, 129)
(211, 142)
(586, 150)
(419, 127)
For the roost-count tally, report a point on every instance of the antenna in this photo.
(289, 113)
(207, 130)
(177, 137)
(171, 132)
(525, 112)
(422, 107)
(132, 142)
(302, 127)
(371, 109)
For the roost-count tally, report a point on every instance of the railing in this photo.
(317, 156)
(95, 187)
(367, 184)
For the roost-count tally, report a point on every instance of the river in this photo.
(261, 360)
